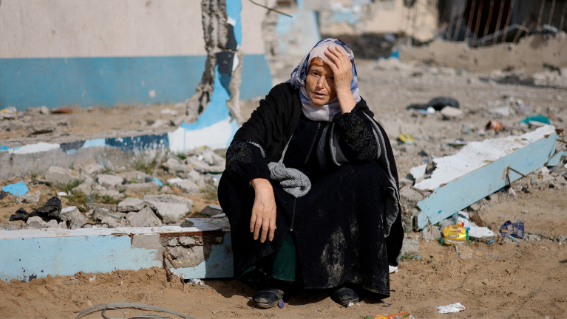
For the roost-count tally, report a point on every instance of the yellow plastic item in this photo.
(455, 234)
(406, 138)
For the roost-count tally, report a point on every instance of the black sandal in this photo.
(344, 296)
(267, 298)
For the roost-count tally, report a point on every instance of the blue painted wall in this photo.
(56, 82)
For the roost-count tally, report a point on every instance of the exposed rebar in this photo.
(508, 18)
(451, 20)
(563, 15)
(471, 18)
(487, 26)
(551, 12)
(479, 13)
(498, 21)
(540, 13)
(270, 9)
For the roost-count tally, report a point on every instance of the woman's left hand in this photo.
(341, 66)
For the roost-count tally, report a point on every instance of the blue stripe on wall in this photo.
(256, 77)
(56, 82)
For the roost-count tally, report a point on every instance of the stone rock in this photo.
(166, 189)
(140, 188)
(533, 237)
(431, 233)
(196, 178)
(170, 208)
(173, 242)
(410, 246)
(101, 213)
(174, 165)
(449, 112)
(203, 167)
(187, 223)
(105, 207)
(131, 204)
(110, 221)
(86, 187)
(58, 176)
(211, 158)
(109, 181)
(189, 257)
(29, 198)
(143, 218)
(69, 213)
(185, 184)
(131, 176)
(110, 193)
(211, 210)
(89, 167)
(41, 127)
(78, 222)
(37, 223)
(187, 240)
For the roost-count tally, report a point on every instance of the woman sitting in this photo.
(311, 187)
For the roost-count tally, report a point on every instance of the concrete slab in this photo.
(35, 253)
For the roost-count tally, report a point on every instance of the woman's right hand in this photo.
(264, 210)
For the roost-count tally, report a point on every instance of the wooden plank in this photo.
(470, 188)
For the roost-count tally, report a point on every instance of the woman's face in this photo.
(320, 84)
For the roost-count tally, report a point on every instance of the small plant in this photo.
(71, 185)
(109, 200)
(210, 192)
(181, 156)
(78, 199)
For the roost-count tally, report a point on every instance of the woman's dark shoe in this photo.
(344, 296)
(267, 298)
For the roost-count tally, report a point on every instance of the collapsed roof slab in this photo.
(480, 169)
(29, 254)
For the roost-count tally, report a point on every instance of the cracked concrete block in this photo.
(143, 218)
(201, 166)
(59, 176)
(69, 213)
(196, 178)
(36, 223)
(174, 165)
(170, 208)
(29, 198)
(409, 198)
(86, 187)
(110, 221)
(109, 181)
(131, 204)
(111, 193)
(133, 176)
(187, 240)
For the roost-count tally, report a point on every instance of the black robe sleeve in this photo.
(355, 134)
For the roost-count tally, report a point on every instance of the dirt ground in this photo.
(508, 280)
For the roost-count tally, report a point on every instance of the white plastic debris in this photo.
(197, 282)
(480, 232)
(61, 194)
(454, 307)
(168, 111)
(393, 269)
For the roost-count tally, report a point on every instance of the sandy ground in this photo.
(508, 280)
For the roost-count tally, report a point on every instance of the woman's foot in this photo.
(267, 298)
(344, 296)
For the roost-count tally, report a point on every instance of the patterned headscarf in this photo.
(298, 76)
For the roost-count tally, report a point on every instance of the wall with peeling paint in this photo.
(64, 52)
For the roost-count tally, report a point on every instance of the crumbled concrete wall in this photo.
(219, 43)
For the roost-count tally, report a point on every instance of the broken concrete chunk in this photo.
(86, 187)
(41, 127)
(431, 233)
(173, 242)
(187, 223)
(143, 218)
(131, 204)
(140, 188)
(189, 257)
(130, 176)
(410, 246)
(196, 178)
(69, 213)
(29, 198)
(211, 210)
(170, 208)
(533, 237)
(36, 223)
(78, 222)
(449, 112)
(109, 181)
(409, 198)
(203, 167)
(174, 165)
(89, 167)
(418, 172)
(185, 184)
(166, 189)
(152, 241)
(110, 221)
(59, 176)
(186, 240)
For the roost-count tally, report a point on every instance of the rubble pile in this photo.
(91, 195)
